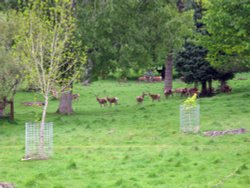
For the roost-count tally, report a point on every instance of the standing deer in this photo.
(102, 101)
(112, 100)
(140, 98)
(155, 97)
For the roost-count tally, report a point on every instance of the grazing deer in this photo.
(192, 91)
(112, 100)
(168, 92)
(38, 103)
(141, 79)
(226, 89)
(182, 91)
(140, 98)
(156, 79)
(155, 97)
(75, 96)
(102, 101)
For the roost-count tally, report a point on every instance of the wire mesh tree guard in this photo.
(37, 145)
(190, 118)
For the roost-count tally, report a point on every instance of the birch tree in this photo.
(47, 48)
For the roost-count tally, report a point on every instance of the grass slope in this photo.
(133, 145)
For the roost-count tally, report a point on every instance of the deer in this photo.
(155, 97)
(38, 103)
(182, 91)
(112, 100)
(75, 96)
(168, 92)
(156, 78)
(141, 79)
(102, 101)
(192, 91)
(140, 98)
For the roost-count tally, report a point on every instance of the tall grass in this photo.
(132, 145)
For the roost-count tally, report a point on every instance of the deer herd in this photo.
(154, 97)
(114, 100)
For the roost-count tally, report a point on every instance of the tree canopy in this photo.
(228, 42)
(10, 72)
(121, 35)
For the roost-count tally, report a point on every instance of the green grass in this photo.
(133, 145)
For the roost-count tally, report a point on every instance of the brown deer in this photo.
(140, 98)
(76, 96)
(168, 92)
(182, 91)
(112, 100)
(155, 97)
(38, 103)
(192, 91)
(141, 79)
(101, 101)
(156, 79)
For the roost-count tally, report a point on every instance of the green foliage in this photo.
(10, 72)
(191, 63)
(132, 34)
(47, 46)
(190, 102)
(227, 23)
(8, 4)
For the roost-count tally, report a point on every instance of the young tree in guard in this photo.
(189, 115)
(46, 31)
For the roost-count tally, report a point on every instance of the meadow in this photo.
(131, 145)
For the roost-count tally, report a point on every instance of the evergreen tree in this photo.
(191, 63)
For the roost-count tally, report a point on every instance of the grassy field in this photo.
(133, 145)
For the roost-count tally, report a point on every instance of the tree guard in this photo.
(34, 148)
(190, 118)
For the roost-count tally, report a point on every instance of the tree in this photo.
(124, 35)
(8, 4)
(10, 72)
(191, 63)
(46, 33)
(178, 36)
(227, 23)
(110, 31)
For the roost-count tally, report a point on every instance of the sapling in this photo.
(188, 106)
(48, 50)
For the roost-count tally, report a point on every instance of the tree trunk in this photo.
(65, 106)
(1, 111)
(41, 144)
(203, 88)
(12, 109)
(2, 106)
(196, 84)
(210, 87)
(180, 5)
(169, 72)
